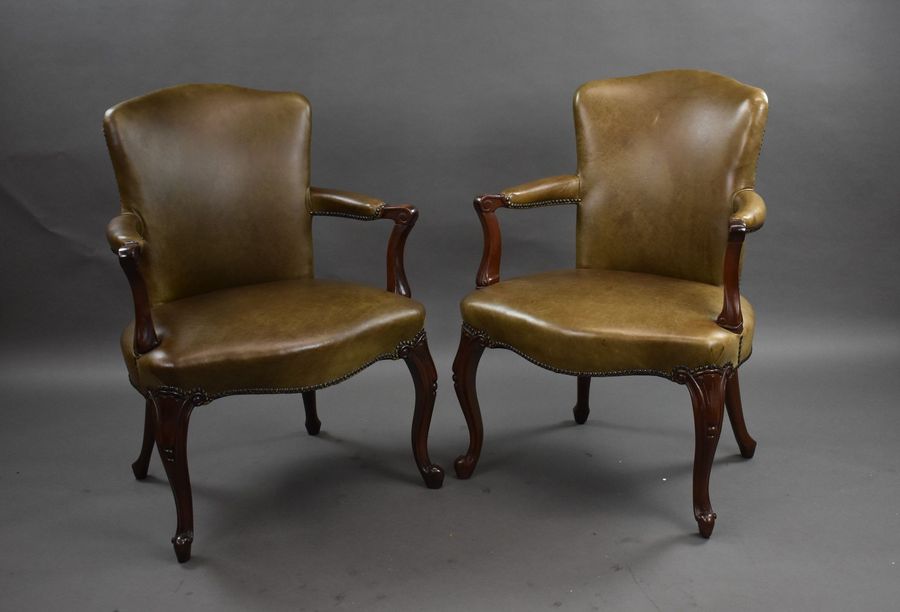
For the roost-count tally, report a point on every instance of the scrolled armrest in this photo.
(404, 217)
(125, 239)
(336, 203)
(748, 216)
(125, 231)
(553, 191)
(749, 210)
(339, 203)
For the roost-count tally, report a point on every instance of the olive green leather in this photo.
(660, 156)
(544, 192)
(218, 176)
(277, 336)
(124, 230)
(214, 186)
(749, 210)
(343, 204)
(605, 322)
(666, 164)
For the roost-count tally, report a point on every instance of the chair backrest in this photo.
(218, 176)
(659, 157)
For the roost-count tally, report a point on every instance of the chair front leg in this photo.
(424, 375)
(707, 389)
(465, 367)
(313, 424)
(582, 406)
(171, 415)
(736, 415)
(142, 463)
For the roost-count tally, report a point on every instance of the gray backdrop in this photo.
(432, 103)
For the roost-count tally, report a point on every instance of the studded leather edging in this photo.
(329, 213)
(677, 374)
(540, 203)
(198, 396)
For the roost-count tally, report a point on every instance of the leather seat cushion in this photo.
(277, 336)
(587, 321)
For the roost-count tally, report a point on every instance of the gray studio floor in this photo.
(558, 516)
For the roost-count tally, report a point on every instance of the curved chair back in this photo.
(659, 157)
(218, 176)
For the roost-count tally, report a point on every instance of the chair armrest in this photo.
(124, 236)
(553, 191)
(338, 203)
(749, 210)
(124, 231)
(748, 216)
(333, 202)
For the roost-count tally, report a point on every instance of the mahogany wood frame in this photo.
(167, 411)
(145, 338)
(404, 217)
(489, 268)
(713, 390)
(730, 318)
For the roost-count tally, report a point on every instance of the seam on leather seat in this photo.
(540, 203)
(675, 373)
(328, 213)
(200, 397)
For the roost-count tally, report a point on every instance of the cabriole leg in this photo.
(142, 463)
(424, 375)
(707, 390)
(582, 407)
(313, 424)
(736, 415)
(171, 416)
(465, 367)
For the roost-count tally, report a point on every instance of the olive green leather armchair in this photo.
(664, 197)
(215, 237)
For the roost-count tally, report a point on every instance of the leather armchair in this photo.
(215, 239)
(665, 195)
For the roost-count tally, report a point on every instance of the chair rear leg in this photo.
(171, 416)
(708, 398)
(142, 463)
(313, 424)
(424, 375)
(582, 407)
(746, 443)
(465, 368)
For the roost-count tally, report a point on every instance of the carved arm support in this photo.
(333, 202)
(553, 191)
(748, 216)
(124, 236)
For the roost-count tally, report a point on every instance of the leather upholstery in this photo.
(659, 156)
(564, 189)
(666, 165)
(218, 176)
(278, 336)
(124, 230)
(749, 210)
(343, 204)
(608, 322)
(214, 185)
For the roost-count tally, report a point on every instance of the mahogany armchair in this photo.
(215, 238)
(664, 195)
